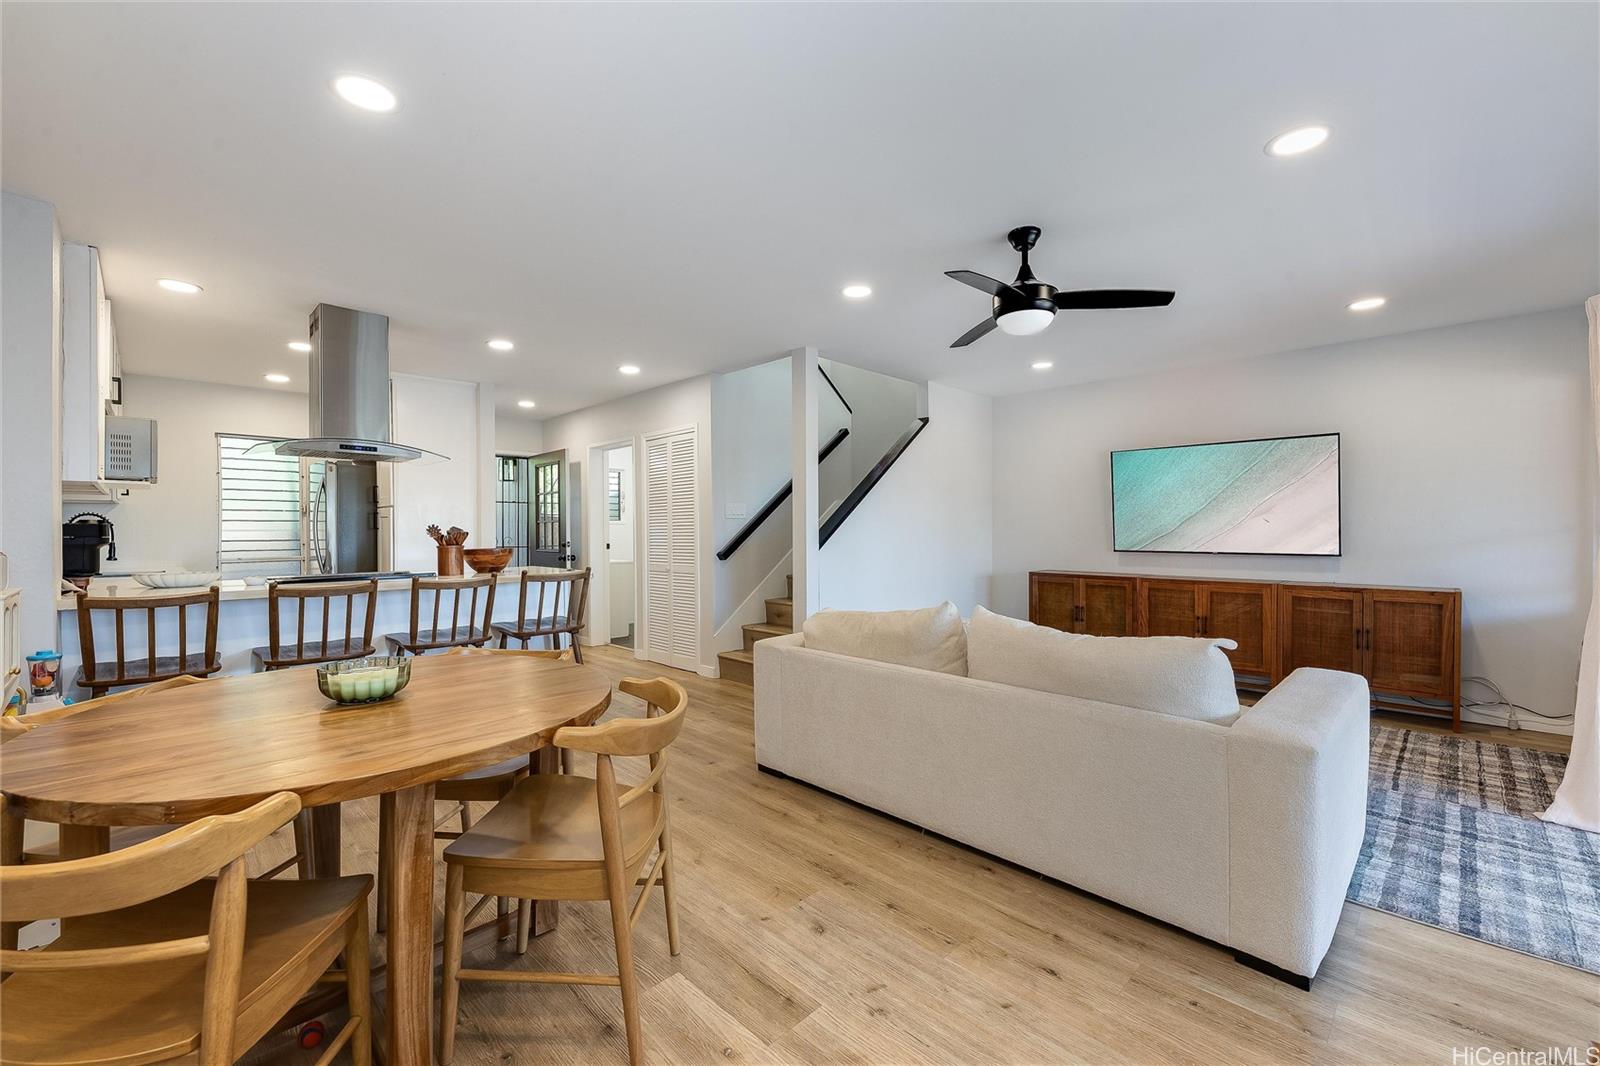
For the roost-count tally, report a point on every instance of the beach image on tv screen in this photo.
(1274, 497)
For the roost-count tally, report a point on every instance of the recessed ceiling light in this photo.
(1043, 364)
(1302, 139)
(628, 369)
(1367, 303)
(857, 291)
(364, 93)
(524, 403)
(500, 344)
(299, 346)
(188, 288)
(277, 379)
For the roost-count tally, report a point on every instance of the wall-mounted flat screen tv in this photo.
(1247, 497)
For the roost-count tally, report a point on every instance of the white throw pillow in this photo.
(1188, 677)
(930, 639)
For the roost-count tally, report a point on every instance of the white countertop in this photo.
(236, 588)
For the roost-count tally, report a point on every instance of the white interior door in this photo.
(671, 555)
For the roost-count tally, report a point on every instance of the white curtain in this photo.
(1577, 801)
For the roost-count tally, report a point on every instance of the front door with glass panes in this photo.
(548, 541)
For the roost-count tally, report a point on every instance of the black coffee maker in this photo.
(82, 537)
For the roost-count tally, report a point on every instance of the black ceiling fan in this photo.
(1028, 305)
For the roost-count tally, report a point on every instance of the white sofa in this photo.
(1244, 833)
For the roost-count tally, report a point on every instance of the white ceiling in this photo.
(688, 187)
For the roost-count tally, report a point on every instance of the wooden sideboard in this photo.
(1406, 642)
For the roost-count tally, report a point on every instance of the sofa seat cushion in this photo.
(930, 639)
(1188, 677)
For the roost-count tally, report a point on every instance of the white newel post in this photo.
(1577, 801)
(803, 465)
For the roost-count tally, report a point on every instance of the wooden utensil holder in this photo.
(450, 562)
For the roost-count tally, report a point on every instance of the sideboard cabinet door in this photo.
(1410, 640)
(1247, 614)
(1107, 607)
(1169, 608)
(1321, 627)
(1053, 601)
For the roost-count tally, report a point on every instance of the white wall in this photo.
(30, 410)
(925, 533)
(882, 409)
(751, 416)
(675, 406)
(445, 417)
(518, 436)
(750, 460)
(172, 525)
(1466, 462)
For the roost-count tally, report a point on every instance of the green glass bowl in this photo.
(370, 680)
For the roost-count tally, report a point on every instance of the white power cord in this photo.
(1500, 701)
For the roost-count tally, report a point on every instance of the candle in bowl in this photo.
(364, 680)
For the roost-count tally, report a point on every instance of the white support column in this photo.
(803, 464)
(30, 413)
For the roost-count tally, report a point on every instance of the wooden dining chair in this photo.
(157, 960)
(488, 784)
(471, 632)
(354, 644)
(564, 837)
(13, 851)
(560, 606)
(100, 677)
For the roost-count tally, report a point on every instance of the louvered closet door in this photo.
(672, 584)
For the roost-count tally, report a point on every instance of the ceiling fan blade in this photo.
(1098, 299)
(974, 333)
(983, 282)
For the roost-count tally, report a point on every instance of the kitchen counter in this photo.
(242, 619)
(236, 588)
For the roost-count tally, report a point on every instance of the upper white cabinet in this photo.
(88, 358)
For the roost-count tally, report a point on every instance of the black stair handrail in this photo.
(831, 524)
(777, 500)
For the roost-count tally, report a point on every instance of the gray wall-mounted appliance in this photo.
(130, 449)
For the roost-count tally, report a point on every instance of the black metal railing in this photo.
(777, 500)
(831, 524)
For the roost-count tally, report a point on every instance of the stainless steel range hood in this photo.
(349, 374)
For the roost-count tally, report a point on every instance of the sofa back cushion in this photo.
(929, 639)
(1188, 677)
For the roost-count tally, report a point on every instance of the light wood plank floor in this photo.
(815, 931)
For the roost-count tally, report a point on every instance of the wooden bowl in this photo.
(487, 560)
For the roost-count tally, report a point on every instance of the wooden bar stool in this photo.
(558, 836)
(101, 677)
(159, 962)
(565, 612)
(469, 632)
(277, 654)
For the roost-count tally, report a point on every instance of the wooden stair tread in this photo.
(768, 629)
(738, 656)
(784, 601)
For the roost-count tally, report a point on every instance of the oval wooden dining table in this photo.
(174, 756)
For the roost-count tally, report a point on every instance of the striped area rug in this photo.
(1453, 841)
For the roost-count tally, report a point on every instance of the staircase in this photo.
(740, 665)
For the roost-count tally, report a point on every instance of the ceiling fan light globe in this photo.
(1025, 322)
